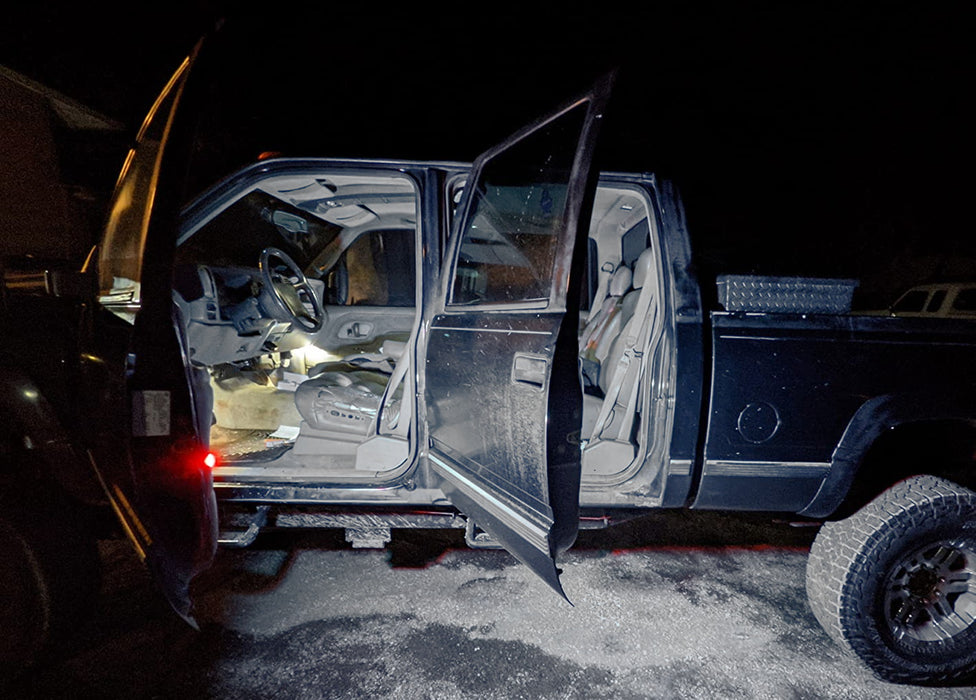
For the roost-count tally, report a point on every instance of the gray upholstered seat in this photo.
(602, 326)
(344, 397)
(616, 338)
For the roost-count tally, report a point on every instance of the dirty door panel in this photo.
(503, 389)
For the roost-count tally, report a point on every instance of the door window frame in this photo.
(123, 244)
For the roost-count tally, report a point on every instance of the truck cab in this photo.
(937, 300)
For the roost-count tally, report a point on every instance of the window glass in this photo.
(376, 270)
(911, 302)
(354, 232)
(257, 220)
(634, 242)
(592, 270)
(517, 213)
(935, 303)
(965, 300)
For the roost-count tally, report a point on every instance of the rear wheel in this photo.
(896, 582)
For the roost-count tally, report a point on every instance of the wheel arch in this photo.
(893, 437)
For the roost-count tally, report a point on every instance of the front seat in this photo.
(344, 397)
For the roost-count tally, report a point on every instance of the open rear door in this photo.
(502, 380)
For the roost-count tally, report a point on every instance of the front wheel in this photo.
(896, 582)
(49, 580)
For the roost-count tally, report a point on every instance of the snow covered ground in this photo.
(314, 619)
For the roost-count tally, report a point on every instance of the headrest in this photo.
(620, 281)
(643, 268)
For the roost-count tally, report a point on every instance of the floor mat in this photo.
(246, 445)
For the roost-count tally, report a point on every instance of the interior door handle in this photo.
(355, 329)
(529, 369)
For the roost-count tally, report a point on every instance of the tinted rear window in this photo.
(965, 301)
(912, 302)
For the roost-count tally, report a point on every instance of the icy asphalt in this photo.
(309, 617)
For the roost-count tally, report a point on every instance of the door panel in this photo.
(502, 381)
(357, 329)
(371, 286)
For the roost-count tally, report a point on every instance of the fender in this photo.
(29, 422)
(870, 421)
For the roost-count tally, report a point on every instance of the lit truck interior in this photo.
(300, 294)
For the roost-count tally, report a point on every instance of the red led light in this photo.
(210, 460)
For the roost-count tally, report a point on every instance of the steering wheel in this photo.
(286, 293)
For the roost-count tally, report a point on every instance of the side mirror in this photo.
(70, 284)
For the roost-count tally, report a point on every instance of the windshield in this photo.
(239, 234)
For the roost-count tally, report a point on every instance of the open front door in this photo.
(142, 401)
(502, 380)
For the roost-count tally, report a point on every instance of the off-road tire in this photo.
(895, 583)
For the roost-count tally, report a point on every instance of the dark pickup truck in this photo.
(511, 347)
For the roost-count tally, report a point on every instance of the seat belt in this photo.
(402, 422)
(630, 362)
(643, 356)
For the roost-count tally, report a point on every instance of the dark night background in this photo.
(832, 141)
(829, 141)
